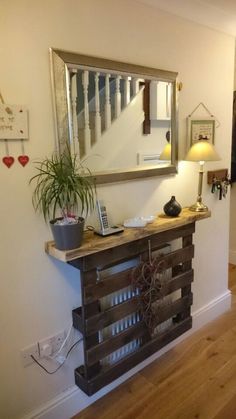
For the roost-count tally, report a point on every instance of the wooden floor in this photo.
(195, 380)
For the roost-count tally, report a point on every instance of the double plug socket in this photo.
(43, 348)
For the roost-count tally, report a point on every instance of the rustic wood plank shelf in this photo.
(93, 243)
(116, 337)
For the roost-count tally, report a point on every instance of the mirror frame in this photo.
(61, 61)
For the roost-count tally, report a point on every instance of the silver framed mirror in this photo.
(117, 117)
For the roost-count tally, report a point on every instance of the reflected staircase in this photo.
(97, 100)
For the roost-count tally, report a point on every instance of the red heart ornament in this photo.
(8, 161)
(23, 160)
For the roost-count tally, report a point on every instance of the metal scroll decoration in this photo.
(149, 277)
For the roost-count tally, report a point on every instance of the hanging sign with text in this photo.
(13, 122)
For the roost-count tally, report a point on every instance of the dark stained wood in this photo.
(120, 280)
(178, 281)
(146, 108)
(78, 319)
(232, 278)
(133, 332)
(107, 286)
(121, 310)
(113, 343)
(187, 243)
(124, 309)
(105, 377)
(88, 310)
(97, 254)
(196, 379)
(219, 174)
(187, 265)
(115, 282)
(112, 315)
(170, 310)
(134, 248)
(93, 289)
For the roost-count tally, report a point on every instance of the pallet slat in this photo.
(122, 279)
(107, 257)
(113, 343)
(98, 253)
(113, 314)
(110, 374)
(90, 310)
(107, 286)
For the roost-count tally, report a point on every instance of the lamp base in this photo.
(198, 207)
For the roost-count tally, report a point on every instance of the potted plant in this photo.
(63, 183)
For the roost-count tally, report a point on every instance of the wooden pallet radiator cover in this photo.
(115, 335)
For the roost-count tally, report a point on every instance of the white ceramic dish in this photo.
(150, 218)
(139, 221)
(135, 222)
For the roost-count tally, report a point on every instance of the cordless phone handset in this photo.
(102, 215)
(105, 230)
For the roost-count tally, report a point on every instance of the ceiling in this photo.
(216, 14)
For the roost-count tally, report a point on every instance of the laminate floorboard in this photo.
(194, 380)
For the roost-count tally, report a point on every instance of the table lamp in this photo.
(166, 152)
(201, 151)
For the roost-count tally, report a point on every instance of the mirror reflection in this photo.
(118, 118)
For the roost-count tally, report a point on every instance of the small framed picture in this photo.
(200, 129)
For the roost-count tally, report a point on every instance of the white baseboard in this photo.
(232, 257)
(73, 400)
(211, 311)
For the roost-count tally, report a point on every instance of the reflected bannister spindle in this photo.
(97, 108)
(107, 102)
(87, 132)
(74, 100)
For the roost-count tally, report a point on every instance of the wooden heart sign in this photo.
(23, 160)
(8, 161)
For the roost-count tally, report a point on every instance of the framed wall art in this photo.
(200, 129)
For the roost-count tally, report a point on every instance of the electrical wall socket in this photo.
(27, 352)
(41, 349)
(51, 344)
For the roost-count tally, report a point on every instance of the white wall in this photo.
(232, 234)
(119, 146)
(38, 293)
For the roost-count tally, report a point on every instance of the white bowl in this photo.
(135, 222)
(150, 218)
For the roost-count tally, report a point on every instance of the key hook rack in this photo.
(217, 175)
(219, 181)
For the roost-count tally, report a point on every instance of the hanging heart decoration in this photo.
(8, 161)
(23, 159)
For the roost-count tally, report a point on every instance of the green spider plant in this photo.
(63, 183)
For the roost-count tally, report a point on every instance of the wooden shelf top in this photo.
(92, 243)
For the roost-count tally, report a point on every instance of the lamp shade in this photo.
(202, 150)
(166, 152)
